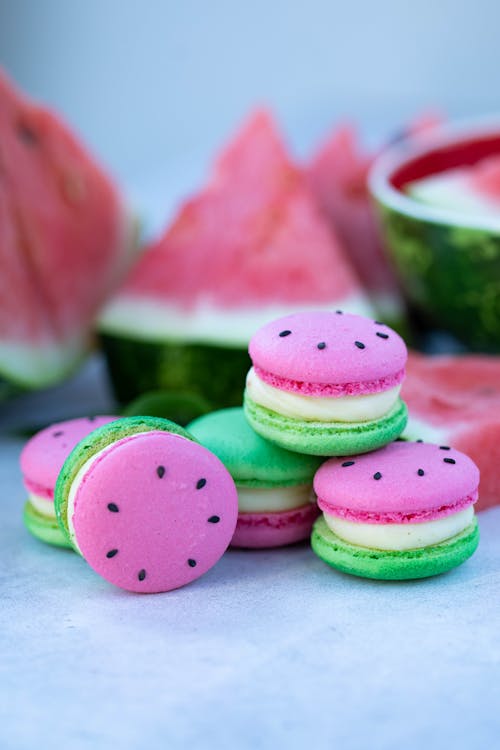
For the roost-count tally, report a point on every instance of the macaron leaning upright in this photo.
(276, 503)
(405, 511)
(41, 460)
(148, 507)
(326, 383)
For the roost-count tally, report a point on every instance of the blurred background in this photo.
(154, 87)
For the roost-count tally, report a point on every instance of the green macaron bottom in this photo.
(390, 565)
(326, 438)
(44, 527)
(95, 442)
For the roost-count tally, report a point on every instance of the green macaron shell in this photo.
(43, 527)
(392, 565)
(96, 441)
(326, 438)
(251, 460)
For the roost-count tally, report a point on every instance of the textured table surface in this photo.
(270, 649)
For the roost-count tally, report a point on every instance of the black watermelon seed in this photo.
(113, 507)
(359, 344)
(444, 447)
(284, 333)
(200, 483)
(420, 440)
(449, 460)
(348, 463)
(382, 335)
(192, 563)
(141, 575)
(160, 470)
(377, 475)
(58, 433)
(339, 312)
(420, 472)
(26, 134)
(112, 553)
(321, 345)
(214, 519)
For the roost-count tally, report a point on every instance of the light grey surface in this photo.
(268, 650)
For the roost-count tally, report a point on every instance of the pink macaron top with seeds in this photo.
(44, 454)
(401, 483)
(154, 511)
(328, 353)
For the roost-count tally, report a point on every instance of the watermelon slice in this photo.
(473, 190)
(250, 247)
(64, 242)
(455, 401)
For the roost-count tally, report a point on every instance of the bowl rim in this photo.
(398, 155)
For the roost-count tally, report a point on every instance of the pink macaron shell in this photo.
(296, 356)
(400, 494)
(177, 509)
(44, 454)
(260, 530)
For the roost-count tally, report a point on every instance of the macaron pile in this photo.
(152, 506)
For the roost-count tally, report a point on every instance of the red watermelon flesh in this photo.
(64, 241)
(252, 236)
(455, 400)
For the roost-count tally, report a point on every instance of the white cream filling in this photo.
(42, 505)
(400, 536)
(362, 408)
(152, 320)
(274, 499)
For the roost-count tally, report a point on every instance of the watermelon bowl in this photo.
(444, 238)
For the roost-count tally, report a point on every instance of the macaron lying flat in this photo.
(41, 460)
(326, 383)
(405, 511)
(145, 505)
(275, 498)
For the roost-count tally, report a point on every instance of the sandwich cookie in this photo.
(41, 460)
(326, 383)
(147, 507)
(405, 511)
(276, 502)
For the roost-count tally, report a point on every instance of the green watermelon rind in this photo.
(451, 273)
(213, 374)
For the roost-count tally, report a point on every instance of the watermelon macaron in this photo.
(41, 460)
(275, 497)
(326, 383)
(405, 511)
(147, 507)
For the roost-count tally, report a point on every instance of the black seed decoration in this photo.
(58, 433)
(91, 419)
(112, 553)
(160, 470)
(444, 447)
(378, 323)
(420, 472)
(339, 312)
(377, 475)
(321, 345)
(348, 463)
(141, 575)
(200, 483)
(382, 335)
(284, 333)
(449, 460)
(192, 563)
(214, 519)
(359, 344)
(113, 507)
(420, 440)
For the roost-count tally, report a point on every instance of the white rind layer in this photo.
(42, 505)
(399, 537)
(364, 408)
(37, 365)
(273, 499)
(452, 191)
(151, 320)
